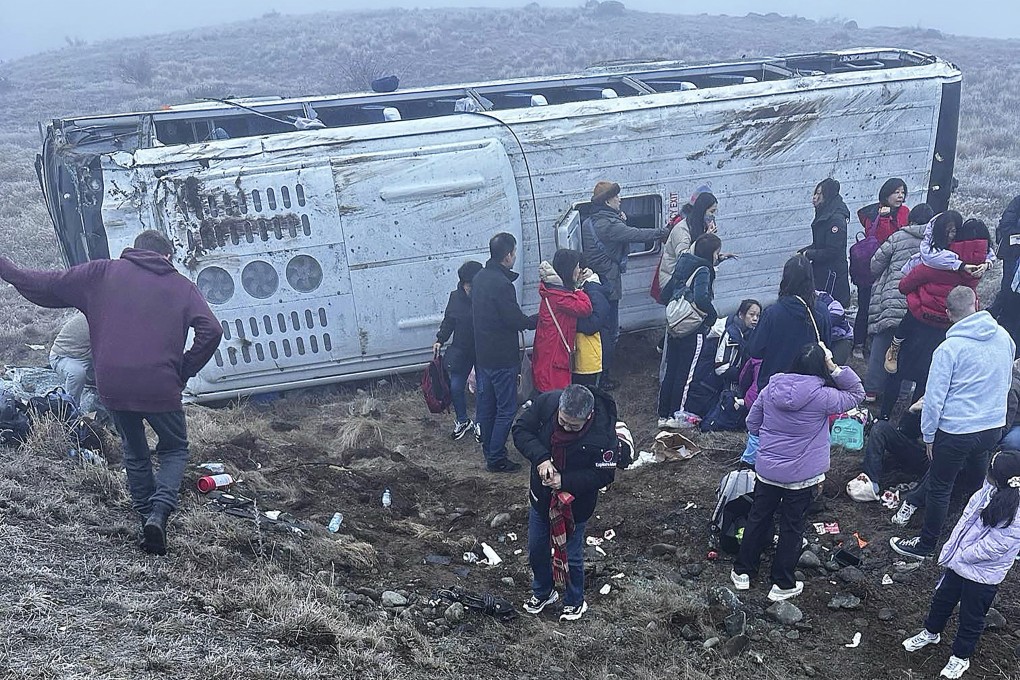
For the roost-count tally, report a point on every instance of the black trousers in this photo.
(974, 599)
(792, 506)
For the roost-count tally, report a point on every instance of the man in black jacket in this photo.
(605, 241)
(497, 321)
(569, 437)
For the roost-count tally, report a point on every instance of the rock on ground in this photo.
(784, 613)
(393, 599)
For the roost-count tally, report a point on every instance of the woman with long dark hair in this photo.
(827, 251)
(791, 322)
(791, 420)
(697, 218)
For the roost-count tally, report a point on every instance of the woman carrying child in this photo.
(978, 555)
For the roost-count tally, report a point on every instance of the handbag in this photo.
(572, 353)
(525, 380)
(682, 316)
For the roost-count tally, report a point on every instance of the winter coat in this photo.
(969, 379)
(882, 226)
(827, 252)
(678, 242)
(590, 461)
(977, 552)
(888, 304)
(1013, 398)
(926, 288)
(840, 327)
(1009, 226)
(497, 317)
(458, 322)
(701, 292)
(784, 328)
(605, 241)
(590, 328)
(732, 349)
(748, 381)
(791, 419)
(550, 363)
(140, 310)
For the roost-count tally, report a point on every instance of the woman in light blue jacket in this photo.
(977, 557)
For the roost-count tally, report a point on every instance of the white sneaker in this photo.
(778, 594)
(903, 515)
(955, 667)
(921, 640)
(573, 613)
(740, 581)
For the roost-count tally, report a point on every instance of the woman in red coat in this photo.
(561, 305)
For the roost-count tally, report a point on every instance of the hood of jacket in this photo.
(979, 326)
(915, 230)
(547, 274)
(832, 208)
(792, 391)
(553, 291)
(148, 260)
(687, 263)
(593, 285)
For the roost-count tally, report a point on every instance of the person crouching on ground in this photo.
(791, 419)
(977, 557)
(71, 356)
(570, 438)
(139, 310)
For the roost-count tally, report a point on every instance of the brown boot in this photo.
(892, 356)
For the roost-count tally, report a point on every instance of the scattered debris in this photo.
(887, 580)
(855, 642)
(604, 590)
(499, 520)
(673, 446)
(491, 558)
(620, 575)
(609, 535)
(336, 521)
(511, 536)
(491, 605)
(213, 468)
(593, 540)
(861, 543)
(37, 348)
(691, 505)
(387, 498)
(471, 558)
(213, 482)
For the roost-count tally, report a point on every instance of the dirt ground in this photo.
(236, 599)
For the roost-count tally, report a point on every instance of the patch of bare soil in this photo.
(236, 598)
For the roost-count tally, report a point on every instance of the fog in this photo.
(30, 27)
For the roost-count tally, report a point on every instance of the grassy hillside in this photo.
(235, 599)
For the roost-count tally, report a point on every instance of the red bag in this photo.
(435, 386)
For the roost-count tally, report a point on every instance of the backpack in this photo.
(725, 416)
(682, 317)
(14, 423)
(861, 253)
(435, 386)
(734, 496)
(627, 453)
(80, 429)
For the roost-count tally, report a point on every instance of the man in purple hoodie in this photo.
(139, 310)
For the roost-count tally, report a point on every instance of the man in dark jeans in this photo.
(900, 443)
(139, 310)
(964, 409)
(498, 320)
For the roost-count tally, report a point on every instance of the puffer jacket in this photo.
(882, 226)
(827, 252)
(550, 364)
(791, 419)
(977, 552)
(888, 304)
(678, 242)
(926, 288)
(590, 328)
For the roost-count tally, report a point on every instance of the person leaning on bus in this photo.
(606, 239)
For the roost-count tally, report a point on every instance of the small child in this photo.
(977, 557)
(949, 245)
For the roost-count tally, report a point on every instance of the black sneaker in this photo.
(573, 613)
(535, 605)
(155, 529)
(506, 465)
(911, 547)
(461, 429)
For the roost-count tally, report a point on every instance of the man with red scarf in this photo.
(570, 438)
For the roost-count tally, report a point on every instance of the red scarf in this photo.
(561, 516)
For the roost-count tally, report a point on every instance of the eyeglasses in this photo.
(570, 424)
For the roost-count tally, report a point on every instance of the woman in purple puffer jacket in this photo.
(977, 557)
(791, 419)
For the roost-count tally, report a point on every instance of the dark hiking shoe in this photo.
(911, 547)
(573, 613)
(154, 529)
(505, 465)
(535, 605)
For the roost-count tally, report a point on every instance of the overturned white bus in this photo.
(325, 232)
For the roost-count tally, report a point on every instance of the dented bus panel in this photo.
(327, 238)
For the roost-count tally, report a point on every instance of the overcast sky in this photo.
(29, 26)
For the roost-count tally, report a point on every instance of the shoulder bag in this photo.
(682, 316)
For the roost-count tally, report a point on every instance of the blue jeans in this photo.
(75, 373)
(610, 334)
(876, 378)
(1011, 442)
(163, 485)
(495, 408)
(540, 556)
(458, 383)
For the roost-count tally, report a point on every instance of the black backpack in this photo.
(58, 404)
(734, 497)
(14, 423)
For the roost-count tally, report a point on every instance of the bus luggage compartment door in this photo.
(265, 247)
(411, 218)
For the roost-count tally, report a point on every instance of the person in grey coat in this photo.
(888, 304)
(605, 241)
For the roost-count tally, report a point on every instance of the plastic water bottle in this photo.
(387, 498)
(334, 524)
